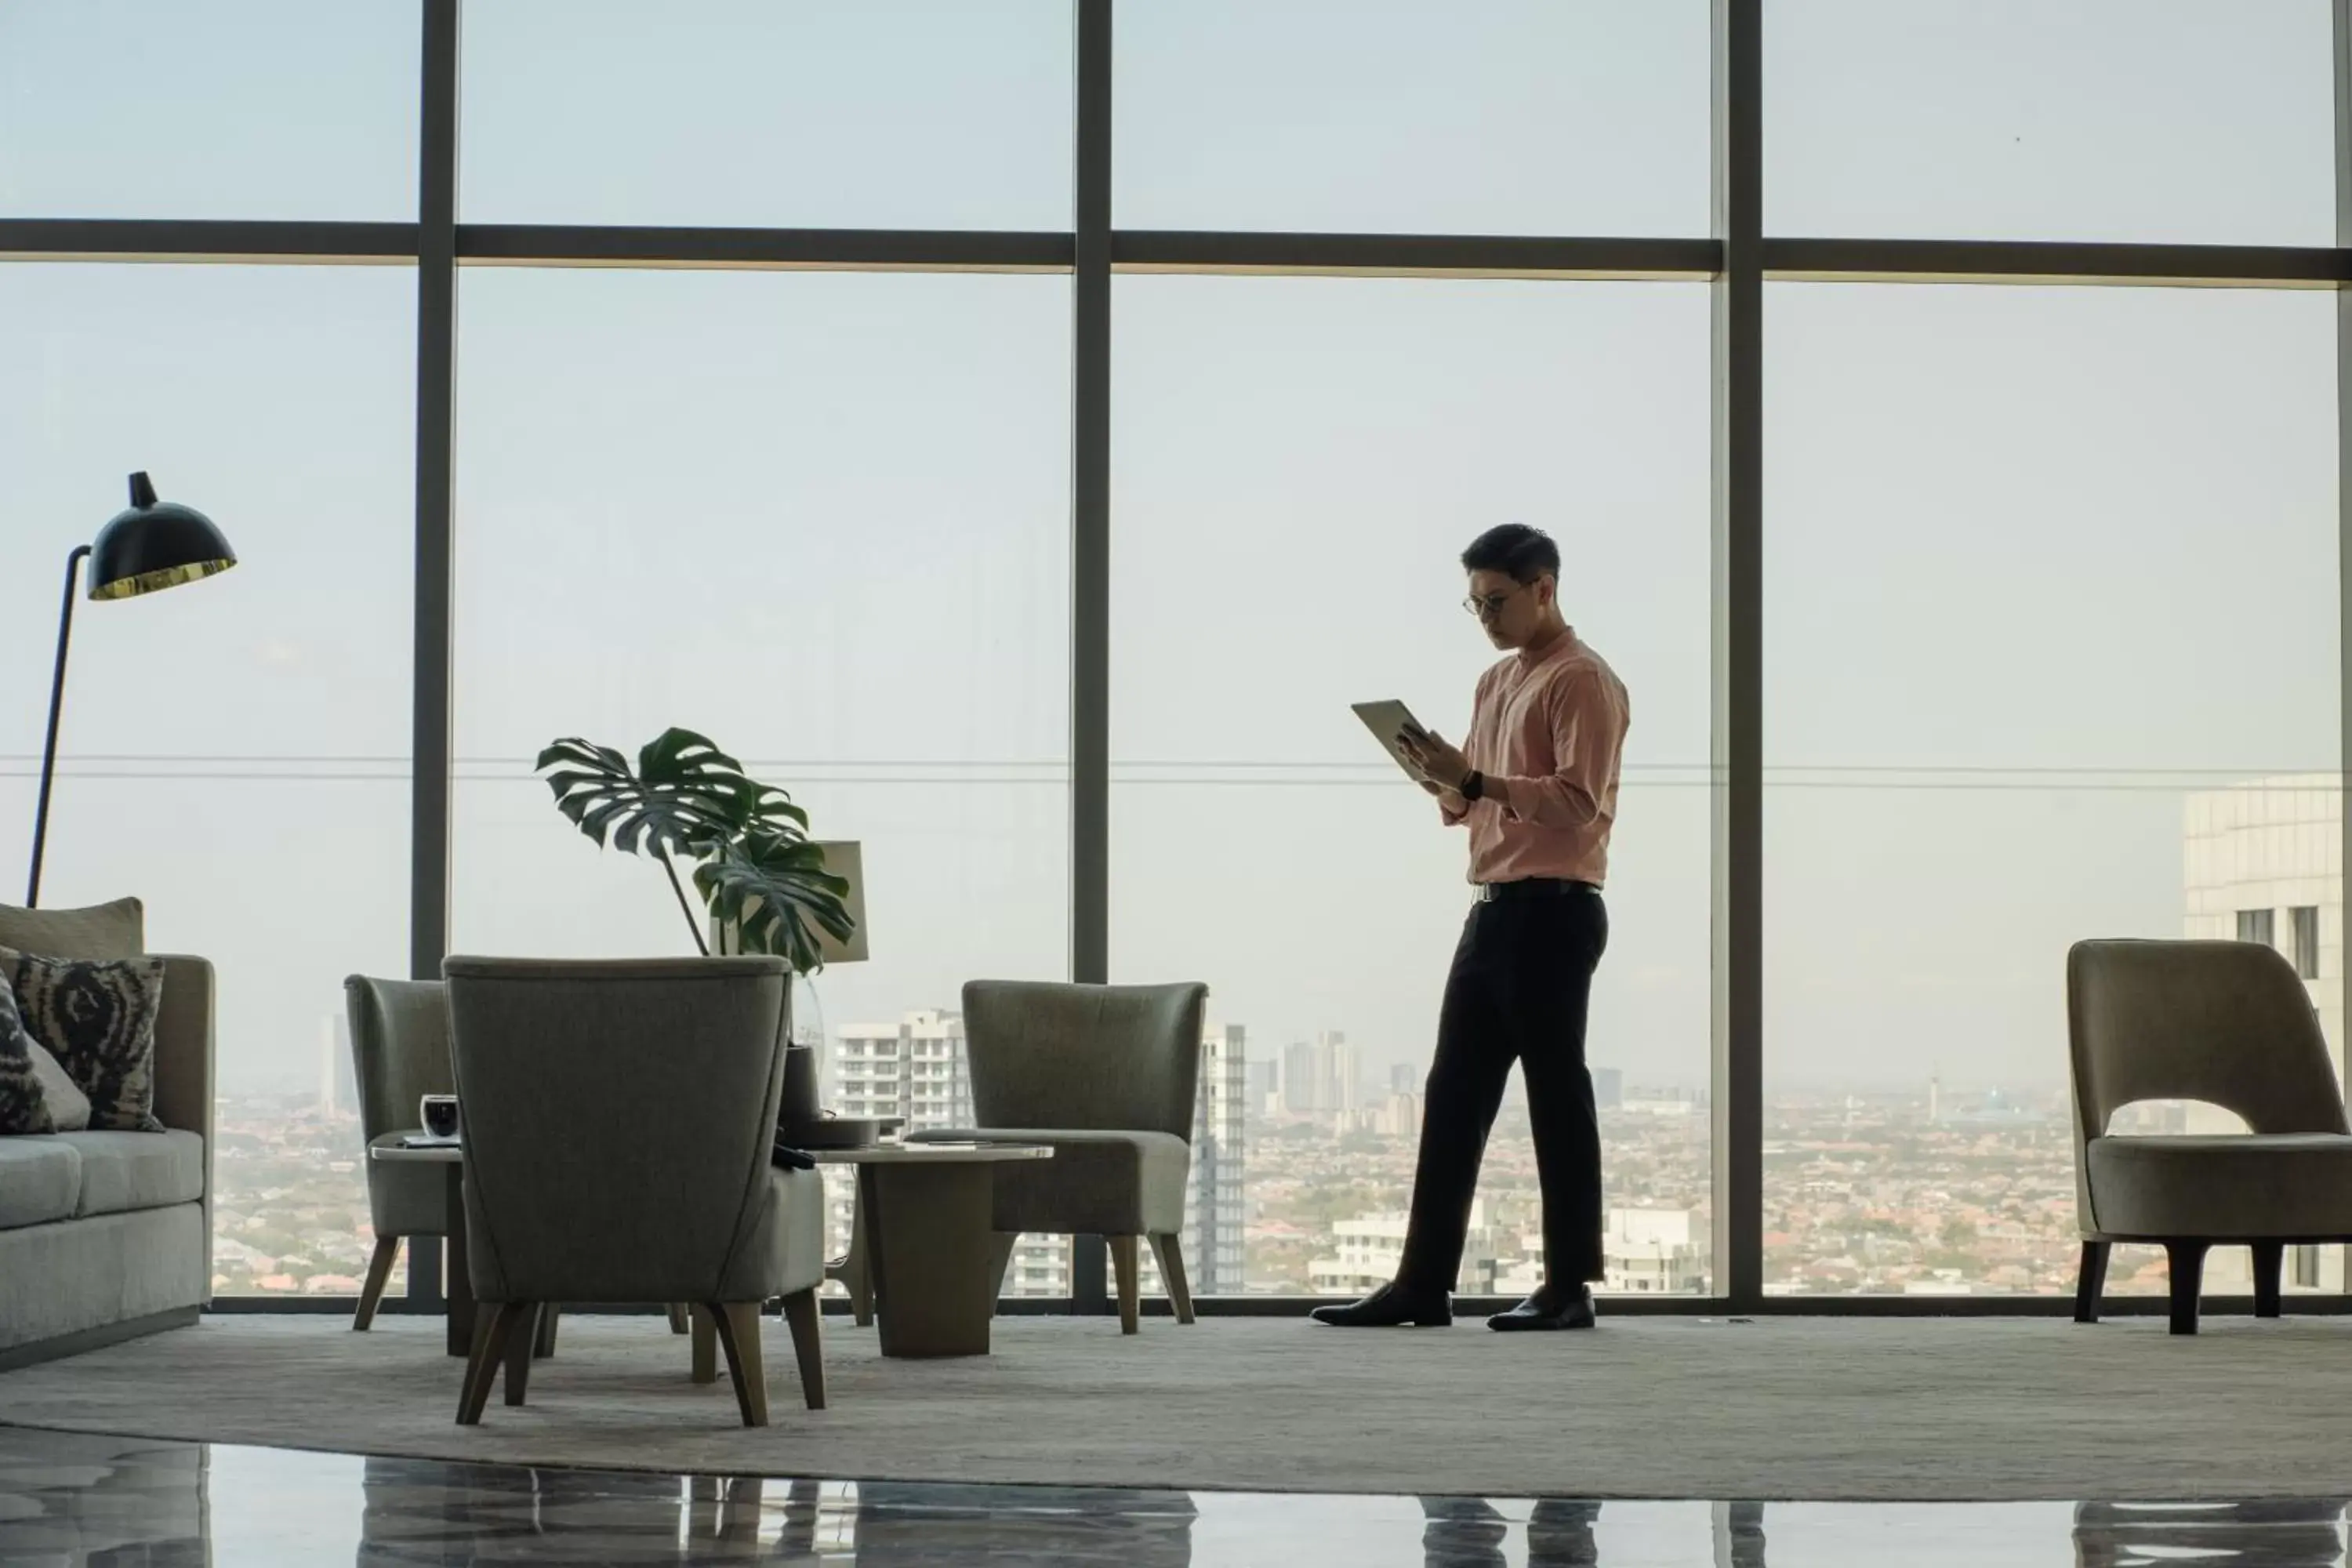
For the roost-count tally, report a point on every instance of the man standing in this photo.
(1536, 787)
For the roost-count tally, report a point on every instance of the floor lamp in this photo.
(155, 544)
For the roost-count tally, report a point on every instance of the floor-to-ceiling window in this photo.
(820, 519)
(234, 753)
(2050, 596)
(784, 381)
(1299, 461)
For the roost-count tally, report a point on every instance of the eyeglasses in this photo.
(1487, 606)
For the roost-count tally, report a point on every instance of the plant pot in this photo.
(800, 1106)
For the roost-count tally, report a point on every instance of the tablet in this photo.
(1390, 722)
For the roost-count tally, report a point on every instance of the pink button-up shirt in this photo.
(1547, 732)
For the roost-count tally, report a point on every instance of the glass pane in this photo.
(2051, 622)
(2204, 122)
(1379, 116)
(822, 519)
(1297, 465)
(235, 109)
(883, 114)
(234, 752)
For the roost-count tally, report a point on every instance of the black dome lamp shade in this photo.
(155, 545)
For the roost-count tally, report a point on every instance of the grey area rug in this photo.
(1777, 1408)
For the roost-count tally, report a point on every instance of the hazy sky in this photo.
(2039, 560)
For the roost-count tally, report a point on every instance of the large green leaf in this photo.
(773, 889)
(683, 794)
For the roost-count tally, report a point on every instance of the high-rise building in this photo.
(1214, 1237)
(2264, 861)
(1301, 1081)
(1608, 1088)
(1322, 1079)
(1343, 1073)
(1399, 1116)
(917, 1069)
(1214, 1212)
(339, 1093)
(1404, 1078)
(1264, 1086)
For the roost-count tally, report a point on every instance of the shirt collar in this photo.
(1559, 644)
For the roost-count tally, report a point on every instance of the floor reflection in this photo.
(2287, 1532)
(1470, 1533)
(68, 1499)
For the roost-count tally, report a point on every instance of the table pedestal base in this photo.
(930, 1249)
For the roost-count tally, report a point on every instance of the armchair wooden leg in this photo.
(2270, 1266)
(738, 1323)
(387, 1249)
(1124, 1257)
(1170, 1251)
(545, 1344)
(677, 1323)
(522, 1343)
(2186, 1260)
(706, 1345)
(2091, 1281)
(805, 1315)
(493, 1326)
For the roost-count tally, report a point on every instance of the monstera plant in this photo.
(759, 874)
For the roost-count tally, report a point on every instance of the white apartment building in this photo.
(1395, 1115)
(1644, 1252)
(917, 1070)
(1653, 1251)
(913, 1068)
(2264, 861)
(1368, 1249)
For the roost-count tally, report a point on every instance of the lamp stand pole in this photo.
(50, 747)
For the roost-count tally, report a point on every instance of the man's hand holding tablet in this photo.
(1426, 759)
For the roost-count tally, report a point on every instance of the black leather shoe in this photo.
(1538, 1311)
(1389, 1307)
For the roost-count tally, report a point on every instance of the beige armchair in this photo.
(2231, 1024)
(400, 1054)
(619, 1120)
(1106, 1075)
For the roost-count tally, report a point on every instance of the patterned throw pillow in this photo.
(24, 1108)
(68, 1106)
(98, 1019)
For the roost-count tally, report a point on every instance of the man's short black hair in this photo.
(1523, 553)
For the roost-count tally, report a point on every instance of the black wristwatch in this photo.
(1473, 786)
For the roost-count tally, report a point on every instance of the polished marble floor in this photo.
(71, 1499)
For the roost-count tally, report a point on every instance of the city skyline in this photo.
(1863, 1195)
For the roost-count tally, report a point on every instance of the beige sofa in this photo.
(106, 1236)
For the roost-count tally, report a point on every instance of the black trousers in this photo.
(1521, 982)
